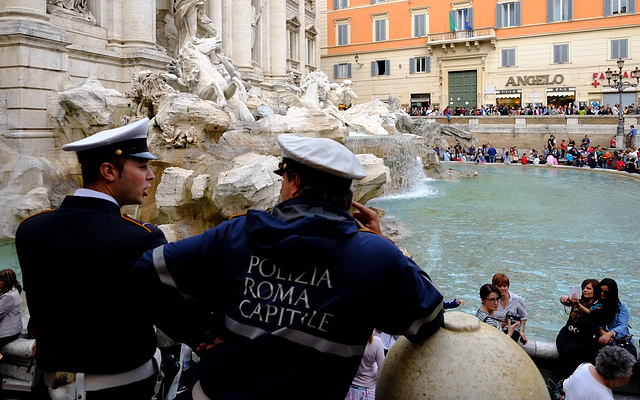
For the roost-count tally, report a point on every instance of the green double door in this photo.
(463, 89)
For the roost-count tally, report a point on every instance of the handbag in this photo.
(625, 343)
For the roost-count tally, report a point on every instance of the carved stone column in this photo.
(241, 32)
(139, 23)
(215, 13)
(278, 38)
(34, 61)
(33, 9)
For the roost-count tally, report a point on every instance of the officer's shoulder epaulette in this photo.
(374, 232)
(237, 215)
(38, 213)
(136, 222)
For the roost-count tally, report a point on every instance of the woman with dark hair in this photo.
(490, 297)
(575, 341)
(618, 329)
(10, 307)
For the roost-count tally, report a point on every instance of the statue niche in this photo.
(71, 8)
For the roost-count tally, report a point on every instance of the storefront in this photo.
(419, 100)
(509, 97)
(561, 96)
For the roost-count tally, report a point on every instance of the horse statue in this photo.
(194, 72)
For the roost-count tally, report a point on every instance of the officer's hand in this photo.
(366, 217)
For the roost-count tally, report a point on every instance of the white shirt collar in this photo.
(95, 194)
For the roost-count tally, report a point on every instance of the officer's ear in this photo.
(109, 172)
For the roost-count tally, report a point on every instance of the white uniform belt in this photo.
(98, 382)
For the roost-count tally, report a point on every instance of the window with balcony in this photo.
(559, 10)
(461, 19)
(380, 67)
(342, 33)
(337, 4)
(380, 27)
(508, 58)
(619, 48)
(342, 70)
(419, 64)
(560, 53)
(508, 14)
(615, 7)
(419, 23)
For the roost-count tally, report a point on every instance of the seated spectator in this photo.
(10, 307)
(510, 303)
(617, 331)
(363, 386)
(613, 369)
(551, 160)
(490, 297)
(524, 159)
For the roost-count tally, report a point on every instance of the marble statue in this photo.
(196, 73)
(77, 6)
(341, 94)
(192, 21)
(257, 6)
(312, 93)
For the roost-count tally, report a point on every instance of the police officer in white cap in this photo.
(93, 340)
(300, 288)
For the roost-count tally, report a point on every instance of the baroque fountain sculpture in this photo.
(216, 143)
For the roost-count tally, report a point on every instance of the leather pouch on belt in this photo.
(63, 386)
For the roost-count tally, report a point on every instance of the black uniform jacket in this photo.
(76, 262)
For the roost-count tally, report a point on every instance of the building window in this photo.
(508, 57)
(381, 67)
(614, 7)
(342, 33)
(461, 19)
(342, 70)
(619, 49)
(560, 53)
(559, 10)
(419, 22)
(380, 27)
(419, 64)
(292, 45)
(508, 14)
(310, 51)
(337, 4)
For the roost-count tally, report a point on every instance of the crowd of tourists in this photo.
(596, 332)
(511, 110)
(567, 152)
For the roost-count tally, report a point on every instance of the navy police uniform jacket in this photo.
(76, 265)
(300, 291)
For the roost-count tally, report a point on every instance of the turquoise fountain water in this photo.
(545, 228)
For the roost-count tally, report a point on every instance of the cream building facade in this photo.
(481, 52)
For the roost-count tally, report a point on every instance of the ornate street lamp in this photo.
(620, 86)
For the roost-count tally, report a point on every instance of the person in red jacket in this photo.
(524, 160)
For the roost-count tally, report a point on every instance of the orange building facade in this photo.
(482, 52)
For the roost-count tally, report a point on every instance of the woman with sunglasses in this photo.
(618, 328)
(490, 297)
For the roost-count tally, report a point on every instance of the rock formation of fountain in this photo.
(217, 145)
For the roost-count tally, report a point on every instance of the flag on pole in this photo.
(452, 24)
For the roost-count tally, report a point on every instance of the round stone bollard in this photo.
(466, 359)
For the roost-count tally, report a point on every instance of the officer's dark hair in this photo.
(91, 168)
(324, 187)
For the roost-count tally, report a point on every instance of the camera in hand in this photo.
(513, 317)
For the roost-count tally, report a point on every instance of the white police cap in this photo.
(320, 154)
(129, 140)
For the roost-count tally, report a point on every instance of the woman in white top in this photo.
(10, 307)
(363, 386)
(510, 303)
(613, 368)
